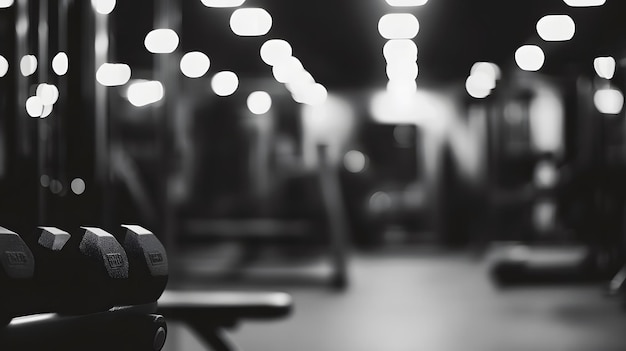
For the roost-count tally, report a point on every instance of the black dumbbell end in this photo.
(53, 238)
(16, 258)
(144, 248)
(102, 247)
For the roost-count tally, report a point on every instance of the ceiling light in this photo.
(250, 22)
(584, 3)
(604, 66)
(103, 7)
(488, 68)
(224, 83)
(143, 93)
(529, 57)
(556, 28)
(406, 3)
(223, 3)
(287, 69)
(315, 94)
(113, 74)
(60, 63)
(354, 161)
(47, 110)
(476, 88)
(28, 65)
(275, 50)
(34, 106)
(161, 41)
(4, 66)
(398, 26)
(398, 70)
(400, 49)
(259, 102)
(47, 93)
(609, 101)
(194, 64)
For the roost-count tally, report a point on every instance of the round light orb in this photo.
(398, 26)
(60, 64)
(529, 58)
(224, 83)
(4, 66)
(248, 22)
(28, 65)
(609, 101)
(275, 50)
(78, 186)
(556, 28)
(34, 106)
(161, 41)
(113, 74)
(103, 7)
(194, 64)
(259, 102)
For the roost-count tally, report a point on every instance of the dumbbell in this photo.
(17, 266)
(129, 268)
(148, 265)
(81, 273)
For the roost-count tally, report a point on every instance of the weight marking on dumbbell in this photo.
(156, 258)
(16, 258)
(115, 260)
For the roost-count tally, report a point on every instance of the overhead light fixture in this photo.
(609, 101)
(143, 93)
(314, 94)
(223, 3)
(113, 74)
(161, 41)
(4, 66)
(275, 50)
(248, 22)
(402, 70)
(556, 28)
(34, 106)
(529, 58)
(354, 161)
(47, 93)
(406, 3)
(60, 64)
(224, 83)
(259, 102)
(5, 4)
(287, 69)
(400, 50)
(194, 64)
(28, 65)
(488, 68)
(103, 7)
(476, 87)
(604, 66)
(584, 3)
(398, 26)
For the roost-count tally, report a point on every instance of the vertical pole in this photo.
(168, 14)
(42, 124)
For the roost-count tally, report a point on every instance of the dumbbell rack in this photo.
(91, 291)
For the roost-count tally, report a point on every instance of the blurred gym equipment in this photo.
(210, 313)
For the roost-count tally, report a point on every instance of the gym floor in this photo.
(431, 301)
